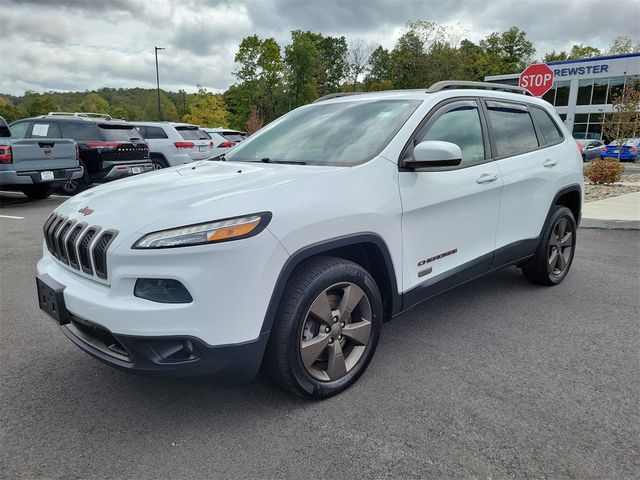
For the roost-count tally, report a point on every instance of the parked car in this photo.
(224, 139)
(35, 166)
(310, 233)
(172, 144)
(109, 149)
(590, 149)
(629, 151)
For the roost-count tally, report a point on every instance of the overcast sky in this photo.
(85, 44)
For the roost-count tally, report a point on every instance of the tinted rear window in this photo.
(80, 131)
(546, 126)
(189, 133)
(119, 132)
(511, 128)
(233, 137)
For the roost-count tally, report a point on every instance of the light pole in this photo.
(158, 82)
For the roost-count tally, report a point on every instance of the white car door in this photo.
(529, 167)
(450, 215)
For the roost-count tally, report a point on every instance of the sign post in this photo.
(537, 78)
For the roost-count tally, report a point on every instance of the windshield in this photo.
(341, 134)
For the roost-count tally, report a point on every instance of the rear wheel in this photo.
(72, 187)
(159, 163)
(555, 253)
(38, 192)
(327, 328)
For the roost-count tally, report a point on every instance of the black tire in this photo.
(158, 162)
(538, 269)
(73, 187)
(38, 192)
(283, 358)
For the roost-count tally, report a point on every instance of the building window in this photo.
(581, 118)
(600, 91)
(579, 130)
(584, 92)
(562, 94)
(616, 84)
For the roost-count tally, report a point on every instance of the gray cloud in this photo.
(78, 45)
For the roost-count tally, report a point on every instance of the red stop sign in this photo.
(537, 78)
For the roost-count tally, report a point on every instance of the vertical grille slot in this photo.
(100, 252)
(71, 245)
(45, 229)
(53, 235)
(60, 241)
(83, 250)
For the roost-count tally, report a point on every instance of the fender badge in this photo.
(86, 211)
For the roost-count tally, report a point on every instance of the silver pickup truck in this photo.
(34, 166)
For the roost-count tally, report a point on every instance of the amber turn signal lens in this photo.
(234, 231)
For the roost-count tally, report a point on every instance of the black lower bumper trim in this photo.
(179, 356)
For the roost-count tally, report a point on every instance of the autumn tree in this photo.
(206, 109)
(623, 123)
(253, 122)
(623, 44)
(94, 103)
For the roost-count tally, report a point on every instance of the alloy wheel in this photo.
(336, 330)
(560, 246)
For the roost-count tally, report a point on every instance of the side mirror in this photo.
(434, 154)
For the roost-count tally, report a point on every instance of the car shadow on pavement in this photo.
(69, 384)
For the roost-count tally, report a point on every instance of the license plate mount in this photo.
(51, 299)
(46, 176)
(136, 170)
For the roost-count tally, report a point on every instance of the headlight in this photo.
(205, 233)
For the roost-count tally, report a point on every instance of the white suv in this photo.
(294, 248)
(172, 144)
(224, 139)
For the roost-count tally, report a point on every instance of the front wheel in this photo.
(327, 328)
(555, 253)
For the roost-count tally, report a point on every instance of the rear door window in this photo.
(190, 133)
(511, 127)
(20, 129)
(45, 130)
(546, 126)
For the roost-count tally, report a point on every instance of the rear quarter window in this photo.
(119, 132)
(546, 126)
(46, 130)
(511, 128)
(155, 133)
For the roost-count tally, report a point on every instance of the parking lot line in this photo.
(12, 217)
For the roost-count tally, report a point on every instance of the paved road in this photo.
(497, 379)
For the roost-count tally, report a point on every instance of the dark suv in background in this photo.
(109, 149)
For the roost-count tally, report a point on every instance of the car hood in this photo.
(192, 193)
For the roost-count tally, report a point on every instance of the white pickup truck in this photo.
(34, 166)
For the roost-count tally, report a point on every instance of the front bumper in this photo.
(176, 356)
(12, 177)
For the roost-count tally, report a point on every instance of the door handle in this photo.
(487, 178)
(550, 162)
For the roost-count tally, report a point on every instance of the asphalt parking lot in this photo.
(496, 379)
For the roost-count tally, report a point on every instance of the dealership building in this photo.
(583, 88)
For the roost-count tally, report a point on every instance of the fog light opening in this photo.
(162, 290)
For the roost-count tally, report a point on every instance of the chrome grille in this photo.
(79, 245)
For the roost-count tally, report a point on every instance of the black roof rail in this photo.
(452, 84)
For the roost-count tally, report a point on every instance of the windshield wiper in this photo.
(290, 162)
(218, 158)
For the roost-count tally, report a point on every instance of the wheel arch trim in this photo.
(325, 246)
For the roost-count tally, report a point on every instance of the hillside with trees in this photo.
(271, 80)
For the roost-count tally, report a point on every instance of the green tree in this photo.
(301, 60)
(379, 76)
(583, 51)
(207, 109)
(554, 56)
(41, 105)
(507, 52)
(8, 111)
(94, 103)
